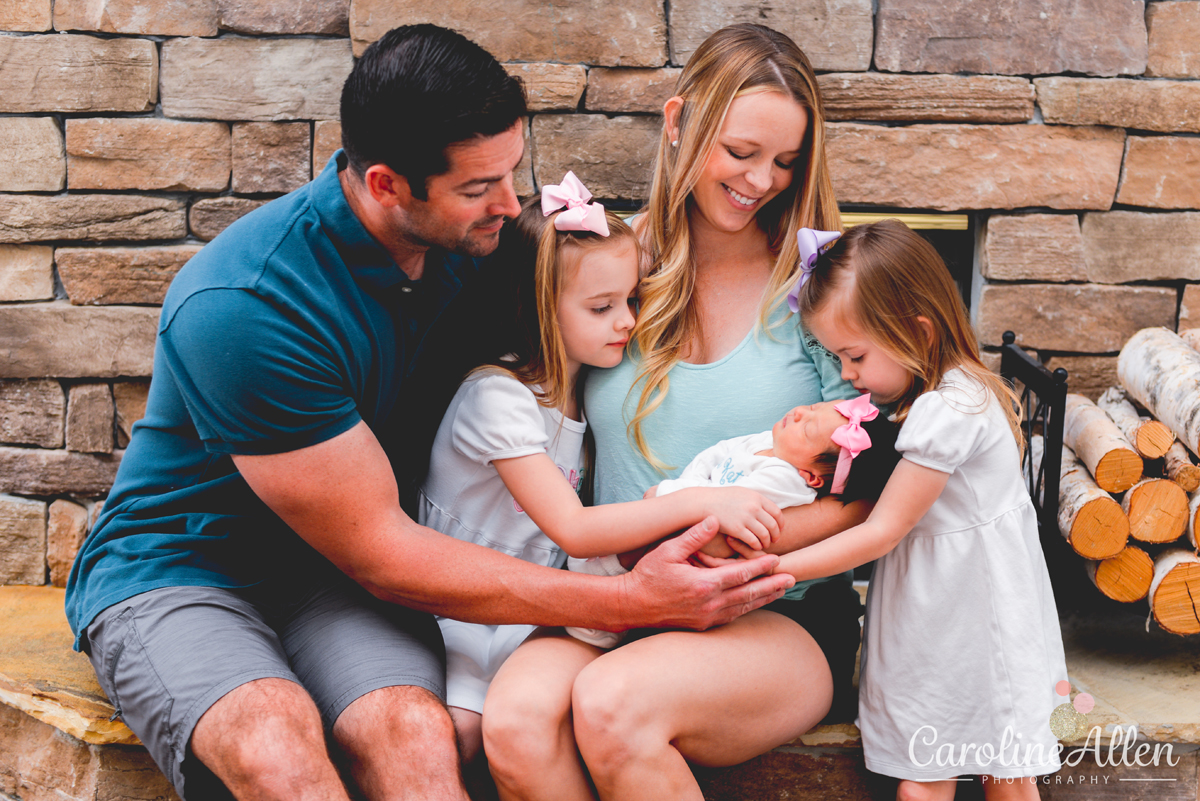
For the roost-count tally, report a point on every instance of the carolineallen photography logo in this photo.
(1042, 756)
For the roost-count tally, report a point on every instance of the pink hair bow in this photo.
(851, 437)
(812, 244)
(580, 215)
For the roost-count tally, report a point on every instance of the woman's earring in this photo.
(674, 143)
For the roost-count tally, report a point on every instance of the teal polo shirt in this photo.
(286, 330)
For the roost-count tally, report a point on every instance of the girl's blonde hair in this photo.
(532, 251)
(734, 61)
(886, 276)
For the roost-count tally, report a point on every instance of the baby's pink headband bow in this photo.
(812, 244)
(580, 215)
(852, 437)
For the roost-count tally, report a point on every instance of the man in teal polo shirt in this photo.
(253, 581)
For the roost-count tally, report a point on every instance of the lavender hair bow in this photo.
(580, 215)
(812, 244)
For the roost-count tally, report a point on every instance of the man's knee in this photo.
(262, 728)
(396, 716)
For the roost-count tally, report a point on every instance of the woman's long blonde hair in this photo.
(894, 277)
(734, 61)
(532, 251)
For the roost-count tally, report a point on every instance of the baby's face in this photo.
(804, 434)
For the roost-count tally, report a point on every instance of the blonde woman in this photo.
(715, 354)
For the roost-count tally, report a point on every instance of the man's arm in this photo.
(341, 497)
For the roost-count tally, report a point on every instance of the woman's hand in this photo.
(742, 514)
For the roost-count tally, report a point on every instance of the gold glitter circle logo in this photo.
(1069, 721)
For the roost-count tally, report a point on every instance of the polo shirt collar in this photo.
(368, 261)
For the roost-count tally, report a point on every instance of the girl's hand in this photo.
(708, 560)
(744, 515)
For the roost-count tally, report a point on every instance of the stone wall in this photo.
(133, 131)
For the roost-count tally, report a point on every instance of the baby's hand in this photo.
(744, 515)
(650, 493)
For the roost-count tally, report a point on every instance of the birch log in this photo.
(1157, 510)
(1125, 577)
(1175, 591)
(1160, 371)
(1149, 438)
(1091, 521)
(1100, 445)
(1191, 337)
(1177, 464)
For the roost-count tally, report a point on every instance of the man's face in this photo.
(467, 204)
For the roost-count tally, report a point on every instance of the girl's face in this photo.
(753, 160)
(865, 364)
(595, 309)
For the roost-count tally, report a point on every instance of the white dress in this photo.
(961, 645)
(492, 416)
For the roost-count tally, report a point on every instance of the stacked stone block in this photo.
(134, 131)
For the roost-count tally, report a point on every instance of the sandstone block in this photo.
(26, 272)
(34, 471)
(1174, 29)
(954, 167)
(523, 174)
(1161, 172)
(1123, 246)
(31, 155)
(238, 78)
(612, 156)
(327, 140)
(929, 98)
(271, 156)
(1079, 318)
(628, 34)
(65, 529)
(330, 17)
(551, 87)
(628, 90)
(1087, 375)
(98, 218)
(836, 35)
(1037, 247)
(1011, 37)
(31, 413)
(130, 398)
(65, 73)
(90, 418)
(25, 15)
(1167, 106)
(132, 153)
(160, 18)
(211, 216)
(22, 541)
(58, 339)
(1189, 308)
(106, 276)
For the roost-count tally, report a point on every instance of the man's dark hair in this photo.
(418, 90)
(871, 469)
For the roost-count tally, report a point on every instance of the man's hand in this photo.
(667, 590)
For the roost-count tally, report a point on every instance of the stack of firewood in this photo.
(1129, 494)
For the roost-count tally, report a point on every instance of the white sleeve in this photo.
(943, 429)
(497, 418)
(698, 472)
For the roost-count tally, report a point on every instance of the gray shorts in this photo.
(165, 656)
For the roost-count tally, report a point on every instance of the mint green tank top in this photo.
(747, 391)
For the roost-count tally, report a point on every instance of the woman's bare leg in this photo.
(715, 698)
(527, 724)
